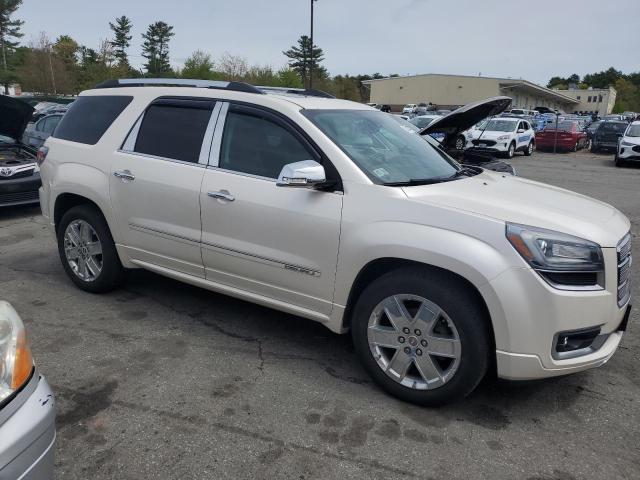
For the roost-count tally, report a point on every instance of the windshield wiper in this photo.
(466, 172)
(418, 181)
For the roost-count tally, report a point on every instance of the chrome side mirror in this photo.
(304, 174)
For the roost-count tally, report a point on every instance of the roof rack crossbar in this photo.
(308, 92)
(180, 82)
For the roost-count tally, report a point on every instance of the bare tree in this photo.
(234, 67)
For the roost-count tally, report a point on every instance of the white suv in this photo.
(330, 210)
(504, 136)
(629, 145)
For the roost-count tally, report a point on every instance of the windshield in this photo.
(501, 126)
(381, 148)
(634, 131)
(610, 127)
(4, 139)
(421, 122)
(566, 126)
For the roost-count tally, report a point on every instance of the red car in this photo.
(569, 137)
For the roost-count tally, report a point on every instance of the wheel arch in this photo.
(380, 266)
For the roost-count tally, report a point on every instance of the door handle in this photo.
(124, 175)
(223, 195)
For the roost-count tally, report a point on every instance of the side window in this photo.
(173, 131)
(258, 146)
(51, 124)
(40, 125)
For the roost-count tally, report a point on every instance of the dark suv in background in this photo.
(606, 136)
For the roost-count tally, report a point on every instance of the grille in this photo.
(489, 143)
(624, 269)
(25, 173)
(16, 197)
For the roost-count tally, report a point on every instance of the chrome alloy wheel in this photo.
(83, 250)
(414, 341)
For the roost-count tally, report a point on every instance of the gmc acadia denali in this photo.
(330, 210)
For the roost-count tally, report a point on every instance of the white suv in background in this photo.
(330, 210)
(629, 145)
(504, 136)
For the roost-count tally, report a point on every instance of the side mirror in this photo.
(304, 174)
(520, 130)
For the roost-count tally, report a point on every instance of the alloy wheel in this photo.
(83, 250)
(414, 341)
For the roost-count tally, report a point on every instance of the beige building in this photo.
(592, 100)
(449, 91)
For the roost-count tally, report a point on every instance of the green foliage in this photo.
(9, 35)
(287, 77)
(603, 79)
(199, 66)
(122, 39)
(156, 49)
(304, 57)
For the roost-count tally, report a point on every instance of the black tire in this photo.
(617, 162)
(112, 273)
(529, 150)
(465, 311)
(594, 149)
(511, 151)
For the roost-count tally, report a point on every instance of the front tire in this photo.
(421, 336)
(511, 151)
(87, 250)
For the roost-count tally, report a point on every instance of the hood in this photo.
(465, 117)
(14, 117)
(518, 200)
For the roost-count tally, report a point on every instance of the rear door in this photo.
(156, 179)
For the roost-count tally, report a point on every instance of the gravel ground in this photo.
(160, 380)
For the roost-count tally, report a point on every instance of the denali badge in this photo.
(6, 172)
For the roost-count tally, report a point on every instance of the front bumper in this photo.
(28, 434)
(627, 153)
(528, 314)
(20, 191)
(605, 145)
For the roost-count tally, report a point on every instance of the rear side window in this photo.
(89, 117)
(174, 132)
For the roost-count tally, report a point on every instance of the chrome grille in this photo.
(624, 269)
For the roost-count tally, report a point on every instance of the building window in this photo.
(589, 99)
(578, 97)
(600, 99)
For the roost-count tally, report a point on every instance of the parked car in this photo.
(606, 135)
(406, 124)
(27, 410)
(614, 118)
(421, 121)
(591, 129)
(41, 130)
(330, 210)
(409, 108)
(19, 172)
(384, 108)
(629, 146)
(49, 110)
(568, 136)
(505, 136)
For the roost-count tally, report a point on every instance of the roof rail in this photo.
(308, 92)
(179, 82)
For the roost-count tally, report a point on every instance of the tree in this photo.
(122, 39)
(303, 58)
(233, 67)
(288, 77)
(603, 79)
(9, 33)
(156, 48)
(199, 66)
(66, 49)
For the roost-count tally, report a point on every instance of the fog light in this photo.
(576, 340)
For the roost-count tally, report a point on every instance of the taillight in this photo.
(42, 155)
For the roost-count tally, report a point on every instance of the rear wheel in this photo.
(87, 250)
(529, 150)
(421, 336)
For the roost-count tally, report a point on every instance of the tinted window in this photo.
(89, 117)
(173, 132)
(51, 124)
(258, 146)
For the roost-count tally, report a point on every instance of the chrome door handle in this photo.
(124, 175)
(223, 195)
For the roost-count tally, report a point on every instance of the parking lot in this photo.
(161, 380)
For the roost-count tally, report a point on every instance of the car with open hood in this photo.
(19, 171)
(451, 131)
(332, 211)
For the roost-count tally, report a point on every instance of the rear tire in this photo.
(421, 341)
(529, 150)
(87, 250)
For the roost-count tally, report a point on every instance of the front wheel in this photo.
(511, 151)
(87, 250)
(421, 336)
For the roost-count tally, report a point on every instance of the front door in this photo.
(276, 242)
(155, 184)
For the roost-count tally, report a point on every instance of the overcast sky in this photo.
(530, 39)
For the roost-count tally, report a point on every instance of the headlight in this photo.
(16, 362)
(564, 261)
(627, 144)
(503, 137)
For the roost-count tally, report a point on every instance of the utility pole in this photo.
(53, 78)
(311, 53)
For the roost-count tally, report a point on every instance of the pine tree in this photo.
(9, 33)
(156, 48)
(300, 59)
(122, 39)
